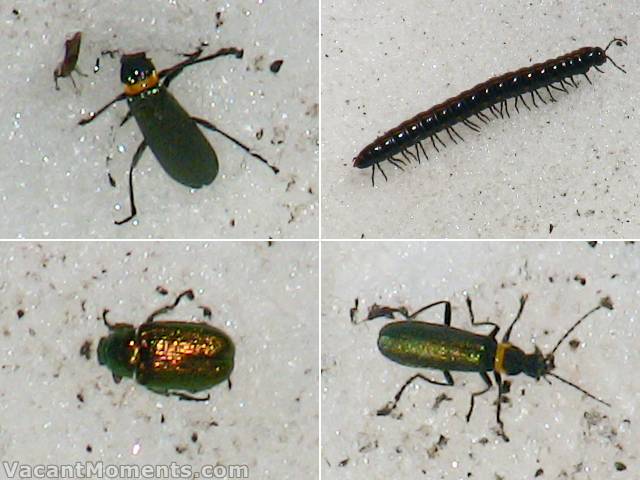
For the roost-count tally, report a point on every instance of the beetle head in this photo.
(118, 350)
(137, 73)
(536, 365)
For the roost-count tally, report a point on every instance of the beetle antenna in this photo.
(579, 388)
(604, 302)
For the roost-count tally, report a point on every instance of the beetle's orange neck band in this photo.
(498, 363)
(141, 86)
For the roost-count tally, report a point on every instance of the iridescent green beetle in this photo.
(169, 357)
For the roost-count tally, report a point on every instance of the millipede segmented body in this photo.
(492, 95)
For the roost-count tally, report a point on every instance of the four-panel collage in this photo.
(319, 239)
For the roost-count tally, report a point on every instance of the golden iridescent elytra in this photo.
(168, 357)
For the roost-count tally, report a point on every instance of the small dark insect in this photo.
(442, 347)
(168, 130)
(620, 466)
(70, 60)
(275, 66)
(557, 74)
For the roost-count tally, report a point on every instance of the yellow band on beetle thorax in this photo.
(498, 363)
(141, 86)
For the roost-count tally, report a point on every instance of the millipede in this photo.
(558, 73)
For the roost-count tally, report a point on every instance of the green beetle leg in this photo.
(447, 311)
(389, 407)
(104, 319)
(167, 308)
(134, 162)
(186, 396)
(126, 118)
(180, 395)
(94, 115)
(487, 380)
(213, 128)
(495, 326)
(172, 72)
(523, 300)
(501, 392)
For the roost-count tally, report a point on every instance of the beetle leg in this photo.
(389, 407)
(496, 327)
(134, 162)
(94, 115)
(501, 390)
(507, 334)
(206, 311)
(104, 318)
(447, 311)
(377, 311)
(212, 127)
(167, 308)
(126, 118)
(172, 72)
(487, 380)
(185, 396)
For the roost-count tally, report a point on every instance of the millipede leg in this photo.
(533, 99)
(457, 134)
(395, 162)
(383, 174)
(407, 151)
(373, 173)
(587, 77)
(482, 117)
(573, 81)
(506, 108)
(515, 104)
(600, 70)
(451, 136)
(558, 88)
(563, 82)
(443, 144)
(493, 110)
(434, 144)
(471, 125)
(540, 97)
(419, 144)
(550, 94)
(525, 103)
(417, 154)
(401, 161)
